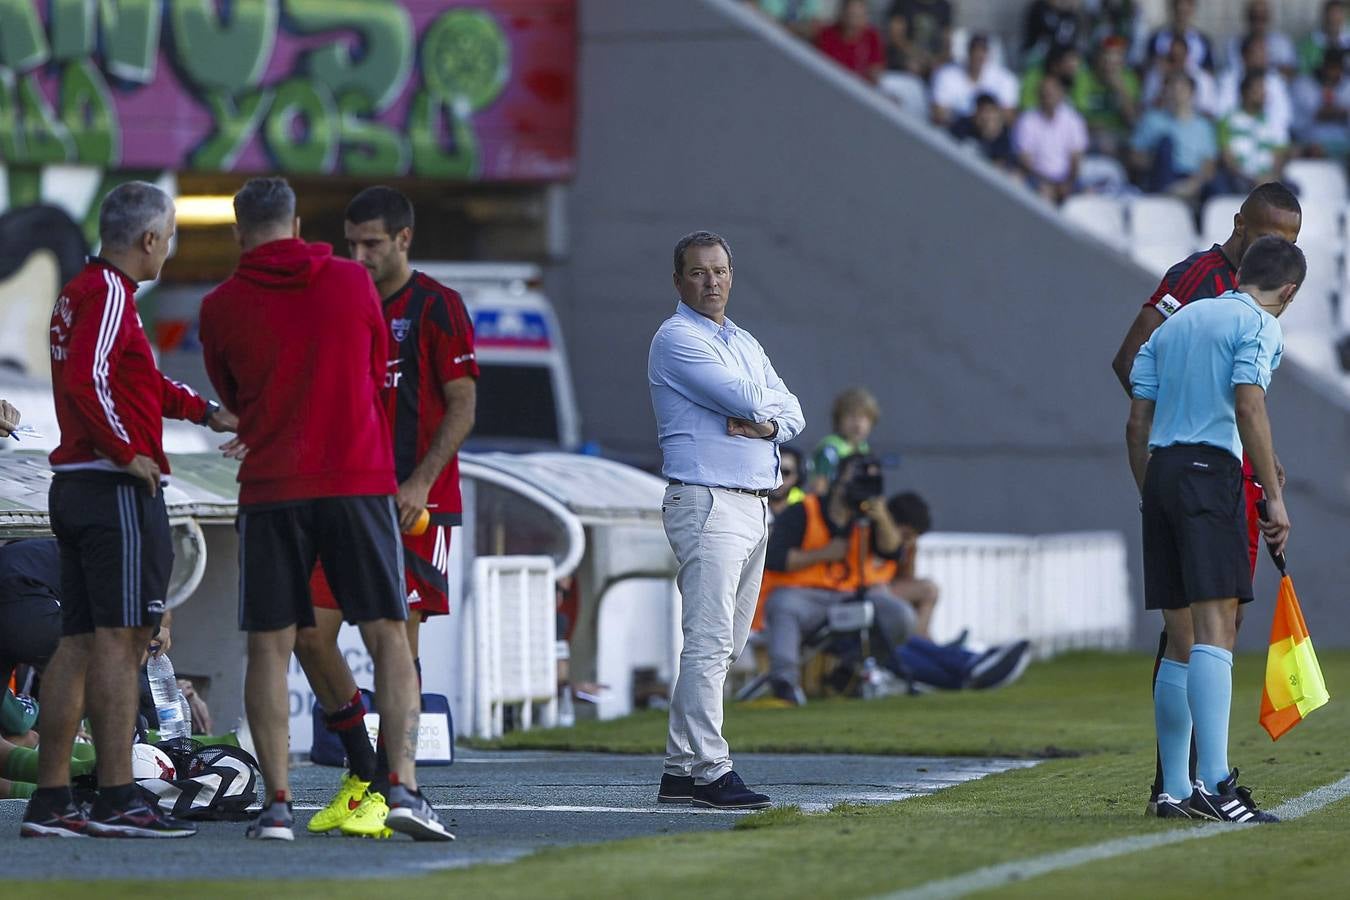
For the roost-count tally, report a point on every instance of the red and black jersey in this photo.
(111, 399)
(1205, 274)
(431, 343)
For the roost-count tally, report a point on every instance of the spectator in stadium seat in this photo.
(1174, 148)
(804, 18)
(1050, 24)
(1179, 59)
(920, 33)
(1332, 33)
(956, 85)
(854, 415)
(1279, 48)
(988, 131)
(9, 419)
(1065, 63)
(1252, 148)
(1181, 26)
(1278, 105)
(1107, 94)
(1322, 109)
(1050, 141)
(854, 42)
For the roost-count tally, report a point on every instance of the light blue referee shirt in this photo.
(1193, 363)
(700, 373)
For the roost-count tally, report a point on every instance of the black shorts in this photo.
(116, 553)
(1195, 528)
(356, 538)
(30, 627)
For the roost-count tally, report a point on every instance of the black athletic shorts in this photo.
(30, 627)
(1195, 528)
(356, 538)
(116, 553)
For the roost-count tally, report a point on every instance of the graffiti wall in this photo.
(476, 90)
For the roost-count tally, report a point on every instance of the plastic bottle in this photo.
(870, 679)
(567, 715)
(169, 701)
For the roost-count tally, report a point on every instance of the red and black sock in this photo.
(349, 724)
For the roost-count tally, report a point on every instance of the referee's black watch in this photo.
(212, 407)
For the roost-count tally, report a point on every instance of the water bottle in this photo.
(567, 715)
(169, 701)
(871, 677)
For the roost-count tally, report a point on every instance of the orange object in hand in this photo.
(419, 527)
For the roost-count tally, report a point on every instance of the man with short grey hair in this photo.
(721, 412)
(108, 514)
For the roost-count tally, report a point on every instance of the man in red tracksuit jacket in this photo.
(296, 344)
(108, 514)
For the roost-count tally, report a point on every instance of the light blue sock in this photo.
(1172, 716)
(1210, 690)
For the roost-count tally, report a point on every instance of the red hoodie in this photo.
(296, 346)
(111, 399)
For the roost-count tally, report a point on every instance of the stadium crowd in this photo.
(1094, 97)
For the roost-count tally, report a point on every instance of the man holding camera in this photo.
(825, 551)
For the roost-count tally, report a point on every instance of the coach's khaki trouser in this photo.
(718, 537)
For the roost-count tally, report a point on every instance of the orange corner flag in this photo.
(1294, 684)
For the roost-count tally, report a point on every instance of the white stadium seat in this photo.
(1317, 179)
(1312, 311)
(1162, 220)
(1216, 220)
(1157, 256)
(1098, 215)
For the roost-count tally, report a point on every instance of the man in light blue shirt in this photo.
(1199, 388)
(721, 413)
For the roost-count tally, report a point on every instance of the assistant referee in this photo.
(1199, 399)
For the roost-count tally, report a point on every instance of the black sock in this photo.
(118, 795)
(57, 797)
(348, 723)
(1157, 662)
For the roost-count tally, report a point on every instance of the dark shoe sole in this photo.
(664, 798)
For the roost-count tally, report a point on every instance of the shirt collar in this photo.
(724, 331)
(100, 261)
(1245, 298)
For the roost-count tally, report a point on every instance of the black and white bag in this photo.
(217, 783)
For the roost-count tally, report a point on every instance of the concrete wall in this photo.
(868, 253)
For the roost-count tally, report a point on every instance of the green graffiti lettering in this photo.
(466, 57)
(45, 138)
(386, 42)
(221, 56)
(369, 148)
(11, 140)
(432, 160)
(130, 38)
(300, 102)
(72, 29)
(23, 43)
(87, 110)
(237, 120)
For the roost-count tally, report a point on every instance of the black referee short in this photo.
(356, 538)
(116, 554)
(1195, 528)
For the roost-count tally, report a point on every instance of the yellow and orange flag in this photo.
(1294, 684)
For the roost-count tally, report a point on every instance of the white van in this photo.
(525, 396)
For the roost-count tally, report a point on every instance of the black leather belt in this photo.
(753, 492)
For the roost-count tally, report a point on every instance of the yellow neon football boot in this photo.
(368, 819)
(342, 807)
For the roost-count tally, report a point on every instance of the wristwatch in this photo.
(212, 407)
(772, 434)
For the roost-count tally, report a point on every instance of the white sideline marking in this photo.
(671, 809)
(1020, 870)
